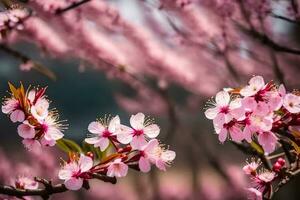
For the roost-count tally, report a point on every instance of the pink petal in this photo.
(49, 143)
(223, 135)
(17, 116)
(137, 121)
(74, 183)
(151, 145)
(26, 131)
(282, 90)
(114, 124)
(85, 163)
(249, 103)
(138, 142)
(53, 134)
(268, 141)
(152, 130)
(247, 134)
(160, 164)
(222, 98)
(236, 134)
(96, 128)
(103, 143)
(144, 165)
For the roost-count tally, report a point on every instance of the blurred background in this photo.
(165, 58)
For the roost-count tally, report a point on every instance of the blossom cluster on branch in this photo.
(266, 117)
(106, 154)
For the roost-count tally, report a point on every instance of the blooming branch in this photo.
(107, 154)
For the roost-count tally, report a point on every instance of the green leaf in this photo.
(67, 146)
(96, 151)
(257, 147)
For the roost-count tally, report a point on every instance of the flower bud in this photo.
(281, 161)
(90, 154)
(277, 167)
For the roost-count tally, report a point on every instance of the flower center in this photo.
(44, 128)
(224, 109)
(138, 132)
(106, 134)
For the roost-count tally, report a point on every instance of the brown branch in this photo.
(37, 66)
(264, 39)
(48, 189)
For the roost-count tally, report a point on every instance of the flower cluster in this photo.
(259, 111)
(39, 125)
(262, 179)
(133, 146)
(12, 19)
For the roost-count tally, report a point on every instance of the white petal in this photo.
(92, 140)
(85, 163)
(152, 130)
(222, 98)
(137, 121)
(96, 127)
(211, 113)
(114, 124)
(168, 155)
(64, 174)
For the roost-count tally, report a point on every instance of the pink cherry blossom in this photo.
(268, 141)
(101, 132)
(154, 153)
(40, 109)
(251, 167)
(51, 129)
(225, 108)
(74, 172)
(256, 83)
(292, 103)
(26, 130)
(11, 106)
(140, 128)
(117, 168)
(232, 127)
(24, 182)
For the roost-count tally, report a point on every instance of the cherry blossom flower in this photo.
(24, 182)
(74, 172)
(140, 128)
(51, 128)
(225, 108)
(292, 103)
(40, 109)
(11, 106)
(101, 132)
(250, 168)
(117, 168)
(232, 127)
(154, 153)
(256, 84)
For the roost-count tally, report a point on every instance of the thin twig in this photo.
(72, 6)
